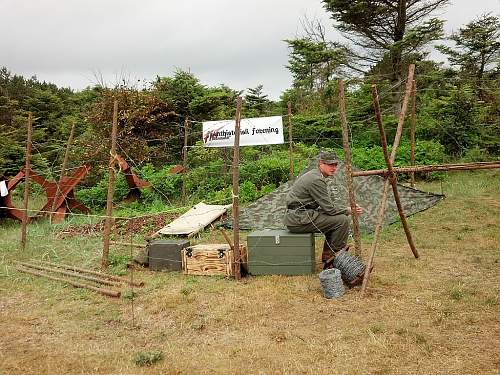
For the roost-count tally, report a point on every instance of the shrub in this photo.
(147, 358)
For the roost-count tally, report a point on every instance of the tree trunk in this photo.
(396, 53)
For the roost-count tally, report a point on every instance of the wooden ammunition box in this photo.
(166, 255)
(280, 252)
(209, 259)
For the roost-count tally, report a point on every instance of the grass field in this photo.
(436, 315)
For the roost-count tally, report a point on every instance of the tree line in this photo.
(458, 101)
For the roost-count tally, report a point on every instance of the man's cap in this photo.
(328, 157)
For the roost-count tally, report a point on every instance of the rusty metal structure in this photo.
(133, 181)
(61, 198)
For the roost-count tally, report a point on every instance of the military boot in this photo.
(327, 256)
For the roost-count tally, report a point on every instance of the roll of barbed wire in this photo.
(349, 265)
(331, 283)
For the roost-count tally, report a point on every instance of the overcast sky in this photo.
(238, 43)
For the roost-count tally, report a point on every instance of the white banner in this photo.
(253, 131)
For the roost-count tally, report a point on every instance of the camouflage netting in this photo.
(268, 211)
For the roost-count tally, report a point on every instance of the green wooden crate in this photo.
(279, 252)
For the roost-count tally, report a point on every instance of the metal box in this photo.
(280, 252)
(166, 254)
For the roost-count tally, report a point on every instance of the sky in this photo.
(80, 43)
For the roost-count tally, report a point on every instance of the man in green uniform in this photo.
(310, 208)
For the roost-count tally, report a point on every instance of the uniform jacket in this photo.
(309, 197)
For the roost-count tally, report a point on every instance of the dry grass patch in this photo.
(438, 314)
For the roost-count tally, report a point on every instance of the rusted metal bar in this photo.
(348, 170)
(412, 131)
(236, 192)
(133, 181)
(72, 274)
(91, 272)
(290, 140)
(392, 176)
(431, 168)
(106, 292)
(111, 183)
(184, 159)
(27, 169)
(63, 169)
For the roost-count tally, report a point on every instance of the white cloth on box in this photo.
(3, 189)
(195, 219)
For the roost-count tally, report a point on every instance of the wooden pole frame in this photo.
(63, 169)
(184, 159)
(431, 168)
(348, 170)
(290, 140)
(27, 169)
(236, 192)
(111, 183)
(390, 179)
(412, 131)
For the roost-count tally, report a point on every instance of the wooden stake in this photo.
(290, 139)
(184, 159)
(431, 168)
(376, 236)
(236, 192)
(392, 176)
(27, 169)
(412, 131)
(106, 292)
(63, 169)
(72, 274)
(132, 284)
(91, 272)
(111, 183)
(390, 160)
(348, 170)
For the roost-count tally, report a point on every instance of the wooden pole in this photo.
(348, 170)
(402, 114)
(71, 274)
(27, 169)
(392, 176)
(376, 236)
(111, 183)
(106, 292)
(431, 168)
(290, 140)
(91, 272)
(412, 131)
(132, 284)
(397, 138)
(63, 169)
(184, 159)
(236, 192)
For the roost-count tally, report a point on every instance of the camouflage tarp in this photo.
(268, 211)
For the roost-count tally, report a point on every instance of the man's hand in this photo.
(357, 211)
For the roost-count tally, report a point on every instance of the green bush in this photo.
(147, 358)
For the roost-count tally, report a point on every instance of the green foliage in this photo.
(392, 28)
(147, 358)
(256, 103)
(426, 153)
(118, 263)
(477, 48)
(96, 196)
